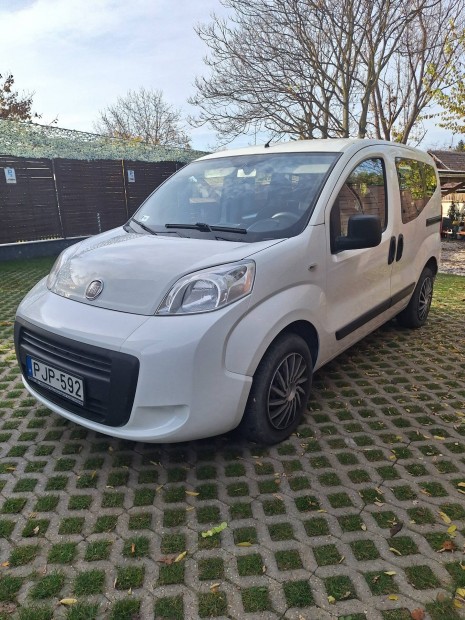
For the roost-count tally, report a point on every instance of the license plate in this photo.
(62, 383)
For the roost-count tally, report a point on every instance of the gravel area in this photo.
(453, 257)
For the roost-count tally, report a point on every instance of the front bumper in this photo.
(167, 382)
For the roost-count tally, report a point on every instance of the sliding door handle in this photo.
(400, 247)
(392, 251)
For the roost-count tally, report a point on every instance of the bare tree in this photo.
(15, 106)
(143, 115)
(428, 59)
(452, 101)
(316, 68)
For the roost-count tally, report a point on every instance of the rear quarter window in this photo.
(417, 183)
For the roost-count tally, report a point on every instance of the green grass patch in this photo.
(169, 607)
(89, 582)
(421, 577)
(212, 604)
(48, 586)
(256, 599)
(98, 550)
(62, 553)
(129, 577)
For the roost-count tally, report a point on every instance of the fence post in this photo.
(57, 194)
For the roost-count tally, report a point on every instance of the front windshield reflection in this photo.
(270, 196)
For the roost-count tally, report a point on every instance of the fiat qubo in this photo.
(235, 280)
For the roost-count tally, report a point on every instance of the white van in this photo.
(236, 279)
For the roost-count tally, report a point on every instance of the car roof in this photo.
(330, 145)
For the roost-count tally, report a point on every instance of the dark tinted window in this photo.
(417, 183)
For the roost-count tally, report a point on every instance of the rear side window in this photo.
(417, 183)
(363, 192)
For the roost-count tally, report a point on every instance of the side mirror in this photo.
(363, 231)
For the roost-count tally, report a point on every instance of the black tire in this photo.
(280, 391)
(416, 313)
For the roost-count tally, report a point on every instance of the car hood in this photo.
(137, 270)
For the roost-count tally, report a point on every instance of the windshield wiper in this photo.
(149, 230)
(208, 228)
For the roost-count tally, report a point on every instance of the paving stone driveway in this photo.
(360, 515)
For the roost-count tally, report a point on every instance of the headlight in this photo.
(60, 261)
(209, 289)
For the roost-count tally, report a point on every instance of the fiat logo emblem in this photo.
(94, 289)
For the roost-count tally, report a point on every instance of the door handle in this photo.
(400, 248)
(392, 251)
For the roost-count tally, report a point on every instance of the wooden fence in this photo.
(60, 198)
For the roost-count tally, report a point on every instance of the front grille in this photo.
(110, 377)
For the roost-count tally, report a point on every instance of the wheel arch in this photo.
(433, 265)
(307, 332)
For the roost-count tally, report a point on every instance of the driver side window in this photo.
(363, 192)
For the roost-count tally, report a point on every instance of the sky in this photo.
(78, 56)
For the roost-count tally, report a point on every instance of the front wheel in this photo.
(416, 313)
(280, 391)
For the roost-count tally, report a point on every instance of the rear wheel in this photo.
(280, 391)
(416, 313)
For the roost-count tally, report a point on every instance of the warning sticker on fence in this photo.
(10, 175)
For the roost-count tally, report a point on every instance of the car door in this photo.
(358, 281)
(417, 216)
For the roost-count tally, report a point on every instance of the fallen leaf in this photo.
(445, 518)
(395, 529)
(331, 600)
(417, 614)
(133, 548)
(396, 551)
(363, 527)
(460, 592)
(390, 572)
(5, 564)
(214, 587)
(181, 556)
(346, 594)
(215, 530)
(68, 601)
(192, 493)
(36, 529)
(130, 592)
(461, 484)
(439, 437)
(451, 529)
(393, 597)
(244, 544)
(448, 545)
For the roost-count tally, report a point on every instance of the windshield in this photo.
(243, 197)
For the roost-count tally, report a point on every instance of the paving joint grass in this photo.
(315, 517)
